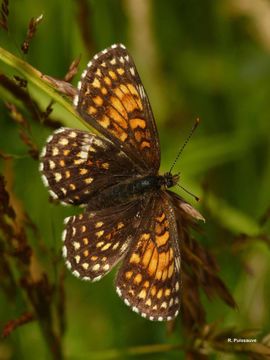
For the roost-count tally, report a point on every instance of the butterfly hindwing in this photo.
(112, 99)
(75, 164)
(149, 279)
(95, 241)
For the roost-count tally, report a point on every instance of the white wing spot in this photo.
(64, 251)
(43, 152)
(68, 264)
(97, 278)
(85, 266)
(76, 100)
(44, 180)
(53, 194)
(96, 267)
(118, 290)
(106, 267)
(79, 85)
(160, 318)
(84, 74)
(64, 234)
(127, 302)
(132, 71)
(122, 46)
(76, 273)
(135, 309)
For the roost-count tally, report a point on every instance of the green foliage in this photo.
(207, 60)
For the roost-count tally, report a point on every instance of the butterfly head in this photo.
(170, 180)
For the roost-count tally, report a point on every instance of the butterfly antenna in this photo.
(188, 192)
(185, 143)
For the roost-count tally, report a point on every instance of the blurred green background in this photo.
(205, 59)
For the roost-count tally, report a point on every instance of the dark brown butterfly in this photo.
(129, 213)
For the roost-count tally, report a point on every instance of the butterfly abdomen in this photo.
(125, 192)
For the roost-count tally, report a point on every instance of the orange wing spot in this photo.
(148, 302)
(120, 225)
(106, 247)
(137, 279)
(117, 117)
(160, 218)
(104, 91)
(96, 83)
(146, 284)
(99, 233)
(99, 224)
(160, 293)
(67, 173)
(134, 92)
(66, 152)
(164, 275)
(145, 236)
(98, 72)
(112, 74)
(128, 274)
(167, 292)
(105, 165)
(91, 110)
(120, 71)
(119, 93)
(88, 180)
(104, 121)
(134, 123)
(62, 163)
(159, 228)
(79, 161)
(171, 270)
(83, 171)
(85, 241)
(94, 258)
(132, 89)
(153, 290)
(145, 144)
(163, 239)
(83, 228)
(107, 80)
(138, 135)
(119, 107)
(135, 258)
(72, 186)
(142, 294)
(86, 253)
(98, 100)
(148, 254)
(119, 132)
(124, 89)
(152, 267)
(129, 103)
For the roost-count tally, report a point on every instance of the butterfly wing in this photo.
(76, 164)
(95, 241)
(149, 279)
(112, 99)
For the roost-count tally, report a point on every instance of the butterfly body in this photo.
(129, 213)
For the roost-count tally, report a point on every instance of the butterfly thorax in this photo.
(130, 190)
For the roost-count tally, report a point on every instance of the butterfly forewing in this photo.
(112, 99)
(149, 279)
(75, 164)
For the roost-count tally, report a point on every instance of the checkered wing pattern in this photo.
(148, 280)
(112, 99)
(75, 164)
(95, 241)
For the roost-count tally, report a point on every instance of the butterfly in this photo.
(130, 215)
